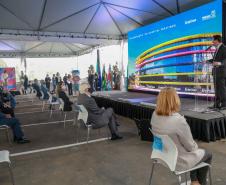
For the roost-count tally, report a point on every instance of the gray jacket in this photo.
(177, 128)
(95, 114)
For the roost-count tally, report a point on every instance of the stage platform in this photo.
(205, 126)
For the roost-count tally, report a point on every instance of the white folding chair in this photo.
(4, 158)
(83, 115)
(43, 101)
(52, 104)
(28, 91)
(61, 101)
(165, 152)
(33, 94)
(6, 128)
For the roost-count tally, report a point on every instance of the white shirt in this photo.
(88, 95)
(217, 48)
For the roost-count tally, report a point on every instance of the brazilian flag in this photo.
(104, 79)
(98, 88)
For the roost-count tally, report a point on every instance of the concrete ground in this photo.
(122, 162)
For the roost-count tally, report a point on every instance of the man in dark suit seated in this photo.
(219, 72)
(98, 117)
(44, 90)
(36, 87)
(7, 102)
(14, 124)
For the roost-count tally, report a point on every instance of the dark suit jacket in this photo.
(45, 92)
(6, 110)
(67, 102)
(38, 90)
(220, 56)
(95, 114)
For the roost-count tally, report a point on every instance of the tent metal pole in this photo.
(12, 13)
(163, 7)
(64, 18)
(92, 18)
(37, 45)
(178, 6)
(113, 20)
(42, 14)
(131, 8)
(140, 24)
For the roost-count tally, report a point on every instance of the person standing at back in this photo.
(69, 84)
(65, 80)
(25, 83)
(57, 78)
(5, 78)
(76, 81)
(47, 81)
(22, 82)
(54, 83)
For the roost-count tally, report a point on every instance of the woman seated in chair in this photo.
(61, 94)
(36, 87)
(44, 89)
(166, 120)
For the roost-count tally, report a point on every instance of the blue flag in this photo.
(99, 81)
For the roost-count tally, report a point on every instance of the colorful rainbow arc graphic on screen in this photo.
(173, 50)
(150, 52)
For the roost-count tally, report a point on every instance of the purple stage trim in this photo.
(139, 100)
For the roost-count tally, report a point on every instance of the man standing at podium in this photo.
(219, 72)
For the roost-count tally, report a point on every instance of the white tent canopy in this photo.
(55, 28)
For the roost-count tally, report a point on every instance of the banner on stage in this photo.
(8, 78)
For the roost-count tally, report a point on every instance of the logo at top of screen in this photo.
(212, 15)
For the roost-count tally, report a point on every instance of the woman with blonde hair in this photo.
(166, 120)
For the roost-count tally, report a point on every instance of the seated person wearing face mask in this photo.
(98, 117)
(14, 124)
(44, 90)
(61, 94)
(36, 87)
(7, 102)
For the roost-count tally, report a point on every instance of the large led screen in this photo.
(173, 51)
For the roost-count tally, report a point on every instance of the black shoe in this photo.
(115, 137)
(214, 107)
(22, 140)
(223, 105)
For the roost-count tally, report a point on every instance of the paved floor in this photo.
(123, 162)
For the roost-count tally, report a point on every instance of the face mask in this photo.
(89, 90)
